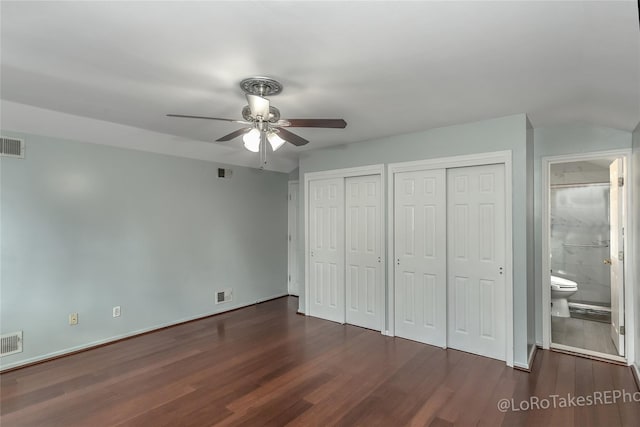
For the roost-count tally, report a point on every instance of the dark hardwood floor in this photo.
(265, 365)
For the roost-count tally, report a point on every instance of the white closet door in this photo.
(420, 256)
(363, 252)
(476, 256)
(326, 246)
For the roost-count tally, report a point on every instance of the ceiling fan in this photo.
(262, 120)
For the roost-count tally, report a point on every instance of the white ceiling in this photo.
(385, 67)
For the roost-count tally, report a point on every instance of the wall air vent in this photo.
(225, 295)
(10, 343)
(224, 173)
(11, 147)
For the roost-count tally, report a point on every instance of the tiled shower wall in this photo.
(580, 240)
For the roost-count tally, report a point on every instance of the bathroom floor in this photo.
(581, 333)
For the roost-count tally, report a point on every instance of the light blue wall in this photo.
(294, 175)
(86, 227)
(636, 212)
(506, 133)
(561, 140)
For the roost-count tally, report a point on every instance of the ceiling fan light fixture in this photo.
(263, 122)
(275, 141)
(252, 140)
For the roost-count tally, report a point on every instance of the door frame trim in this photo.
(291, 268)
(377, 169)
(629, 230)
(480, 159)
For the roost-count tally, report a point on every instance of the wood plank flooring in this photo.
(265, 365)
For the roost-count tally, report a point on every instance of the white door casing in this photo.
(629, 224)
(292, 245)
(420, 256)
(616, 254)
(363, 241)
(476, 259)
(326, 247)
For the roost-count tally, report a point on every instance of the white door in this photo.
(420, 256)
(476, 256)
(616, 198)
(326, 247)
(363, 277)
(292, 209)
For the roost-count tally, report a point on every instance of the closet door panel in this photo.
(326, 247)
(420, 256)
(364, 286)
(476, 257)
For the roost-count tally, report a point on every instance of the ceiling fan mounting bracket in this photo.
(261, 86)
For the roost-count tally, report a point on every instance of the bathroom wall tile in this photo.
(580, 235)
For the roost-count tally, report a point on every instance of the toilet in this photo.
(561, 290)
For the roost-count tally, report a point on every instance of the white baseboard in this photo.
(636, 373)
(274, 296)
(31, 360)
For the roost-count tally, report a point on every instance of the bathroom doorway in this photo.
(586, 216)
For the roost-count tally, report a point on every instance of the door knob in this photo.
(607, 261)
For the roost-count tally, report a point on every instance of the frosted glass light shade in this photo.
(275, 141)
(259, 106)
(252, 140)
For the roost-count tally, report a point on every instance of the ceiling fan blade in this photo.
(317, 123)
(199, 117)
(234, 134)
(259, 106)
(185, 116)
(291, 137)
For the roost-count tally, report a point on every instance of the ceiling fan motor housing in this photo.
(274, 114)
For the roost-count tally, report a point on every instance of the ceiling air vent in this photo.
(10, 343)
(11, 147)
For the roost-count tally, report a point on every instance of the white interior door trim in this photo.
(451, 162)
(629, 230)
(292, 256)
(377, 169)
(479, 159)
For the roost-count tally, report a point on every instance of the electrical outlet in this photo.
(116, 311)
(73, 319)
